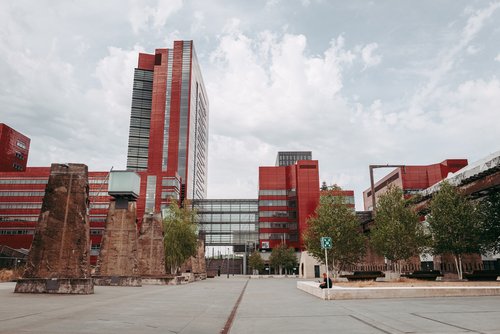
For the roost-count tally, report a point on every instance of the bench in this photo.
(482, 275)
(364, 275)
(429, 275)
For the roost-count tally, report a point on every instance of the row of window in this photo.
(99, 205)
(98, 181)
(226, 208)
(273, 214)
(227, 217)
(272, 203)
(98, 193)
(22, 193)
(169, 194)
(228, 227)
(170, 182)
(214, 239)
(272, 192)
(291, 226)
(19, 155)
(18, 218)
(20, 205)
(17, 166)
(16, 232)
(23, 181)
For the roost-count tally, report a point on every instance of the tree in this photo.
(335, 219)
(180, 236)
(455, 224)
(255, 261)
(283, 257)
(490, 210)
(398, 234)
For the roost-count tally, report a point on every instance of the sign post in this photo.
(326, 243)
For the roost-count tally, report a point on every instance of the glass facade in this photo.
(228, 222)
(291, 157)
(140, 119)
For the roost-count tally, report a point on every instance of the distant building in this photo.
(288, 158)
(168, 137)
(21, 195)
(288, 195)
(14, 149)
(413, 178)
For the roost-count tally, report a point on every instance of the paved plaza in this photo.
(267, 306)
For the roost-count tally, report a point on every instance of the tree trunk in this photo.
(458, 264)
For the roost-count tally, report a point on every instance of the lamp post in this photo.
(228, 262)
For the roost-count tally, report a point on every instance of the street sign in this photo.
(326, 243)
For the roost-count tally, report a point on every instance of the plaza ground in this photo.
(267, 306)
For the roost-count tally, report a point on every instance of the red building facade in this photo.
(21, 195)
(168, 137)
(288, 195)
(414, 178)
(14, 149)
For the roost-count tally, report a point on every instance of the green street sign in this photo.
(326, 243)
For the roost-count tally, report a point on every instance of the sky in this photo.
(355, 82)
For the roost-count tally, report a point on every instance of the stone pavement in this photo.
(268, 306)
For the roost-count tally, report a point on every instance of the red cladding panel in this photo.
(175, 105)
(156, 130)
(146, 61)
(307, 193)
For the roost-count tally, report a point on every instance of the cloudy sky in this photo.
(355, 82)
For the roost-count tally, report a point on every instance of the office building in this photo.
(413, 178)
(288, 195)
(168, 137)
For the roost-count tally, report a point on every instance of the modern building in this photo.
(168, 137)
(288, 195)
(14, 149)
(228, 222)
(287, 158)
(413, 178)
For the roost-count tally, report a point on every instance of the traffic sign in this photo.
(326, 243)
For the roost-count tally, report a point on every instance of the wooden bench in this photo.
(482, 275)
(429, 275)
(364, 275)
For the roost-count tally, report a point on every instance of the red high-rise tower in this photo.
(168, 138)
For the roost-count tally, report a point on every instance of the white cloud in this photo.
(368, 56)
(497, 58)
(472, 50)
(447, 60)
(141, 14)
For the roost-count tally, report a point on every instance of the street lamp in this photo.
(228, 262)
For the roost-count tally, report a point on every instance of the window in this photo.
(21, 144)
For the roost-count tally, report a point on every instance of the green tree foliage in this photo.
(283, 257)
(255, 261)
(397, 235)
(490, 209)
(335, 219)
(455, 224)
(180, 236)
